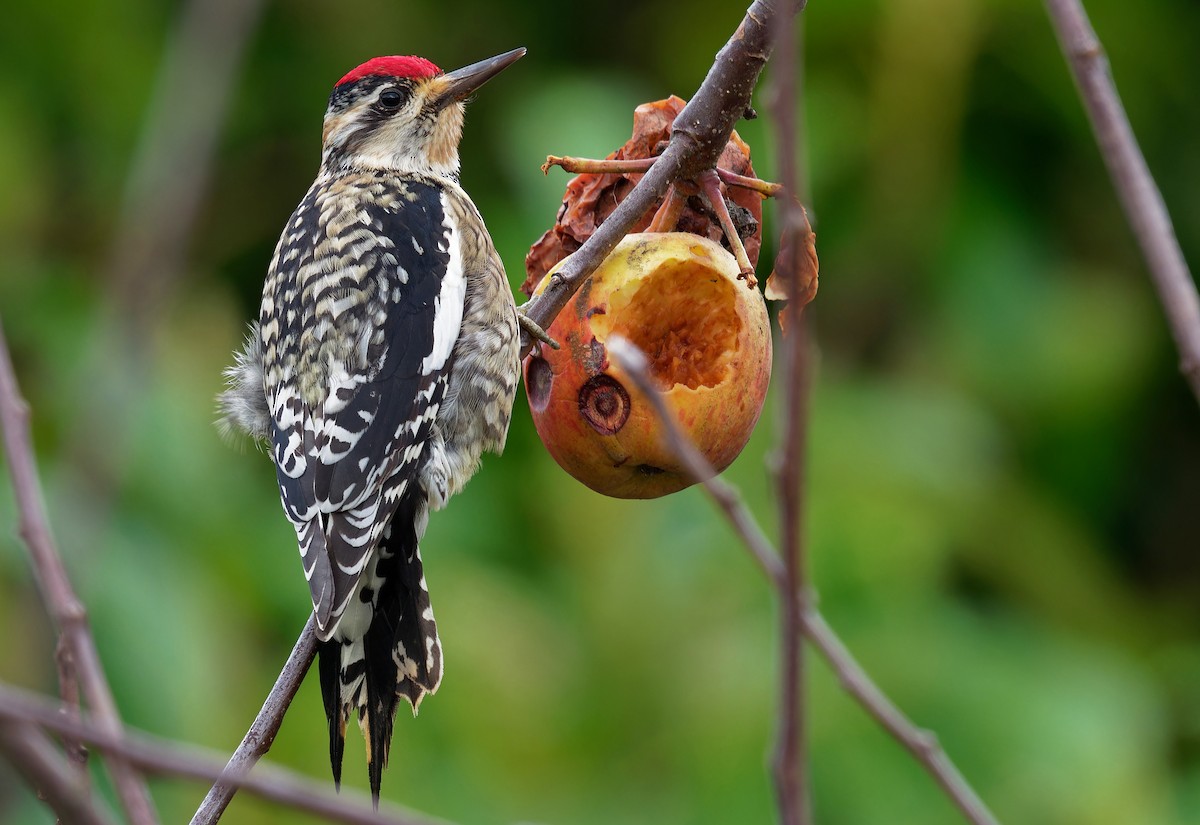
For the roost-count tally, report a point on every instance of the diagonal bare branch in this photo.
(64, 606)
(157, 756)
(634, 363)
(258, 739)
(922, 744)
(44, 768)
(1139, 196)
(697, 138)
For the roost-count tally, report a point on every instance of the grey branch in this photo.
(789, 760)
(698, 136)
(43, 767)
(164, 758)
(63, 605)
(1140, 197)
(920, 743)
(258, 739)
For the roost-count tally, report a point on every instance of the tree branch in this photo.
(1140, 198)
(633, 362)
(697, 139)
(261, 735)
(36, 759)
(64, 606)
(790, 759)
(921, 744)
(156, 756)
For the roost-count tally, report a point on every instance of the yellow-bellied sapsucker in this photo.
(384, 362)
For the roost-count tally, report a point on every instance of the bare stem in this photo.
(43, 767)
(61, 602)
(634, 364)
(613, 166)
(762, 187)
(710, 183)
(698, 136)
(921, 744)
(790, 759)
(667, 216)
(157, 756)
(261, 734)
(68, 690)
(1139, 196)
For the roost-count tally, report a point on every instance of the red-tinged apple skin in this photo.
(707, 335)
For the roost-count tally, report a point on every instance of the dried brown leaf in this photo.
(796, 264)
(591, 198)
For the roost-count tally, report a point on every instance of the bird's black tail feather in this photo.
(329, 663)
(400, 654)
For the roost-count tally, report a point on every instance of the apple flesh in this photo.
(706, 334)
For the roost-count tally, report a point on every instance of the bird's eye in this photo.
(391, 99)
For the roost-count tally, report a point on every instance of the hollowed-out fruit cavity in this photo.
(683, 317)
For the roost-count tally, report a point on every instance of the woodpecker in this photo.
(383, 364)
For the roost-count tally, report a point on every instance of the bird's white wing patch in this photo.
(449, 304)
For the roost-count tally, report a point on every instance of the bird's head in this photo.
(403, 114)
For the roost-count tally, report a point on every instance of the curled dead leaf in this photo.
(795, 264)
(590, 198)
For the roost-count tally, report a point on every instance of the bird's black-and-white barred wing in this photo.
(368, 282)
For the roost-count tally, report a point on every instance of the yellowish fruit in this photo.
(677, 297)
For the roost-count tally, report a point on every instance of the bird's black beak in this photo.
(460, 83)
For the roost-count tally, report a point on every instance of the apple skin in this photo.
(707, 336)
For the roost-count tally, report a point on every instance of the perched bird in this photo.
(384, 362)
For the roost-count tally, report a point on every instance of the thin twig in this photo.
(922, 744)
(163, 758)
(698, 136)
(592, 166)
(765, 188)
(633, 362)
(61, 602)
(790, 756)
(666, 218)
(710, 184)
(261, 734)
(68, 690)
(43, 767)
(1139, 196)
(34, 528)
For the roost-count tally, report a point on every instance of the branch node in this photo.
(72, 613)
(927, 741)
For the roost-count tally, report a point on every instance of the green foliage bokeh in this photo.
(1004, 463)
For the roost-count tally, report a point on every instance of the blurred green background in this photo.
(1005, 464)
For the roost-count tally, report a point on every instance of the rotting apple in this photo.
(706, 334)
